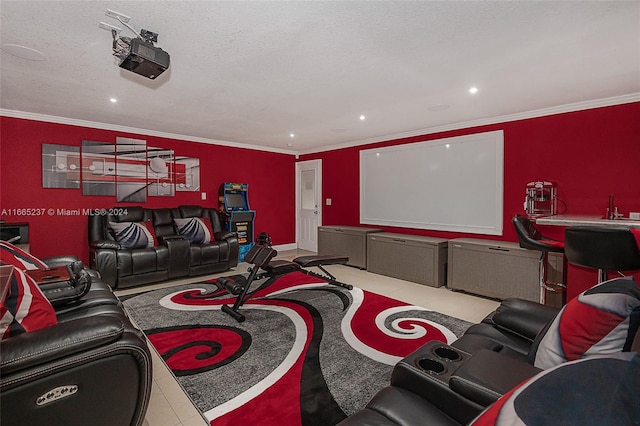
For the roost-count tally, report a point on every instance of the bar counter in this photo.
(585, 220)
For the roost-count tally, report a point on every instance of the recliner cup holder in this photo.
(447, 354)
(437, 359)
(431, 366)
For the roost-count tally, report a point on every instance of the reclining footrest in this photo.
(234, 284)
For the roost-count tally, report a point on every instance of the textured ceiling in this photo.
(254, 72)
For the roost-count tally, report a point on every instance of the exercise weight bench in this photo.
(237, 285)
(299, 264)
(260, 257)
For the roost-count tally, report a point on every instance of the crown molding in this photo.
(579, 106)
(126, 129)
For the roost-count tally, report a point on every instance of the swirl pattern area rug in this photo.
(309, 353)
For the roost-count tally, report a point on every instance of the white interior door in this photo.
(308, 203)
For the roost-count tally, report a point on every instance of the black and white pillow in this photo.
(134, 235)
(195, 229)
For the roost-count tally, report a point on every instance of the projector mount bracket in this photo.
(146, 35)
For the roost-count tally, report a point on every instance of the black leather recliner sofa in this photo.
(441, 384)
(597, 391)
(91, 368)
(451, 384)
(173, 256)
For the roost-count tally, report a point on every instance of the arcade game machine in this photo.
(236, 214)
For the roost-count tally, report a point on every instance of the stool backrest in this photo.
(530, 238)
(606, 248)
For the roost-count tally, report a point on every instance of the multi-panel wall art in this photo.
(127, 169)
(161, 172)
(98, 168)
(60, 166)
(187, 174)
(131, 170)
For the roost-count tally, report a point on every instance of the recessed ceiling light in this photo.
(23, 52)
(362, 118)
(292, 135)
(113, 100)
(473, 90)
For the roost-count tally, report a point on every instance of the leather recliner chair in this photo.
(121, 267)
(511, 329)
(93, 355)
(208, 258)
(91, 368)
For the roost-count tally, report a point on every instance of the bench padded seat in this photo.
(321, 260)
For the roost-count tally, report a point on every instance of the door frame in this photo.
(318, 166)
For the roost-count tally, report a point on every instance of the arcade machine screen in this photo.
(235, 201)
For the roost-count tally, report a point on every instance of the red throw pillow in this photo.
(151, 232)
(24, 308)
(12, 255)
(599, 321)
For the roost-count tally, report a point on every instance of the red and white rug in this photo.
(309, 353)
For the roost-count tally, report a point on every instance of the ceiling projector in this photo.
(138, 54)
(145, 59)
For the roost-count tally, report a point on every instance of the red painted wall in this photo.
(271, 179)
(589, 154)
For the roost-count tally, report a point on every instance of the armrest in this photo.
(75, 288)
(58, 342)
(171, 238)
(179, 260)
(54, 262)
(426, 372)
(523, 317)
(104, 260)
(224, 235)
(488, 375)
(104, 244)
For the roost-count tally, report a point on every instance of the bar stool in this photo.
(602, 248)
(531, 239)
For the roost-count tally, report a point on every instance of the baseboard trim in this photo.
(285, 247)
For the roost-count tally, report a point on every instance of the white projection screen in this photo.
(453, 184)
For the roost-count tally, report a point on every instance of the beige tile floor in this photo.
(170, 406)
